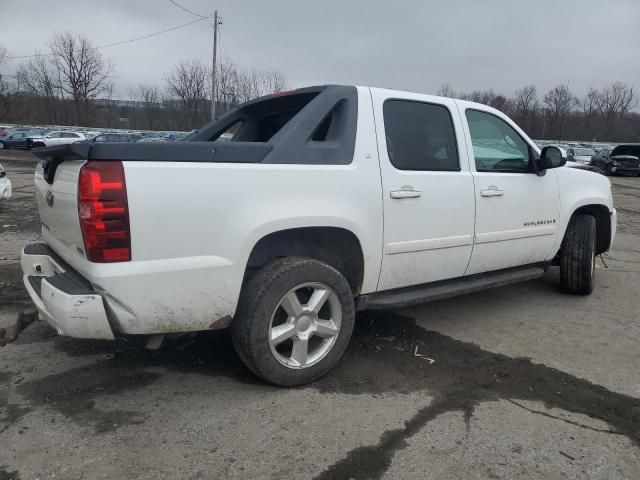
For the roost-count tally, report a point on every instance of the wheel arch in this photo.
(336, 246)
(603, 224)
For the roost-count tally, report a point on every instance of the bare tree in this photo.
(38, 79)
(479, 96)
(237, 85)
(5, 93)
(150, 97)
(560, 102)
(589, 103)
(446, 91)
(627, 100)
(614, 102)
(83, 73)
(188, 82)
(272, 81)
(525, 101)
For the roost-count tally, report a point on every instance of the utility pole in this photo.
(213, 69)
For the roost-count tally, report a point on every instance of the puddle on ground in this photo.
(380, 359)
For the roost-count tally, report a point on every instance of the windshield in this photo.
(586, 152)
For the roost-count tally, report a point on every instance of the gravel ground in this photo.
(526, 383)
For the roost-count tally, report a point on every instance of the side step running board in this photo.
(404, 297)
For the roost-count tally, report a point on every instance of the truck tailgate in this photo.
(56, 191)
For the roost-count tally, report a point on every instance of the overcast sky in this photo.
(415, 45)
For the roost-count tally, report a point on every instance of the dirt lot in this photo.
(526, 383)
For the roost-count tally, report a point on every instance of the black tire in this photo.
(607, 170)
(259, 300)
(2, 146)
(577, 256)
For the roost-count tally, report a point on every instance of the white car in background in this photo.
(5, 185)
(580, 155)
(54, 138)
(570, 163)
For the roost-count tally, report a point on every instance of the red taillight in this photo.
(104, 212)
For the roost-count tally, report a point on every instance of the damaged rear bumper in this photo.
(63, 298)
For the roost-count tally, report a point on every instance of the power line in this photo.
(187, 10)
(117, 43)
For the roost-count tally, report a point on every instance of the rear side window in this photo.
(230, 132)
(259, 121)
(312, 126)
(497, 147)
(420, 136)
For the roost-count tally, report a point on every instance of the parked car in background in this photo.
(19, 138)
(623, 159)
(176, 137)
(89, 134)
(5, 185)
(154, 139)
(572, 163)
(602, 153)
(54, 138)
(113, 138)
(580, 154)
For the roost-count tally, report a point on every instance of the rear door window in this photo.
(420, 136)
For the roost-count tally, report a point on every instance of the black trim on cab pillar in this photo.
(313, 126)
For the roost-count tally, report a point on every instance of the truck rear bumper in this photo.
(5, 188)
(63, 297)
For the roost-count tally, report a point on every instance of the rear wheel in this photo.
(294, 321)
(578, 256)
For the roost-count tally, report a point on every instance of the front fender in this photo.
(582, 188)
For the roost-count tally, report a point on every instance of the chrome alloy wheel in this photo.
(305, 325)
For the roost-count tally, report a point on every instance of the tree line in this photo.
(73, 84)
(602, 114)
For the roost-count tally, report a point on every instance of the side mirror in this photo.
(551, 157)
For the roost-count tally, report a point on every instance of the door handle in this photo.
(405, 193)
(492, 191)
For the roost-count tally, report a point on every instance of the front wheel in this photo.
(578, 256)
(294, 321)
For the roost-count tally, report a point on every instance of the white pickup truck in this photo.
(286, 216)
